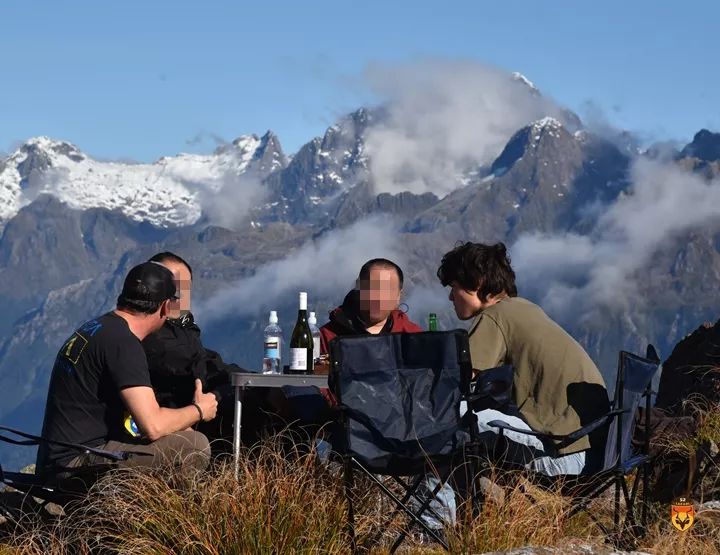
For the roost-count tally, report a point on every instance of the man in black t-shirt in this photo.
(101, 395)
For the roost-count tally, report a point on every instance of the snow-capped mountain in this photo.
(540, 182)
(319, 173)
(165, 193)
(316, 186)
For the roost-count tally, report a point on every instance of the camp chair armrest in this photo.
(572, 437)
(111, 455)
(32, 439)
(505, 426)
(562, 440)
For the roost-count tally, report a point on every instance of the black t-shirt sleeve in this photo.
(127, 365)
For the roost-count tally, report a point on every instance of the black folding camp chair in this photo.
(611, 462)
(400, 401)
(49, 489)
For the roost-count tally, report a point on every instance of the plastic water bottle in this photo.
(272, 344)
(312, 321)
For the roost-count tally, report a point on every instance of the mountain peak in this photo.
(247, 143)
(534, 136)
(48, 147)
(546, 123)
(269, 137)
(42, 141)
(520, 78)
(269, 154)
(704, 146)
(244, 147)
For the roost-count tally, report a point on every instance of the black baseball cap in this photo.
(149, 281)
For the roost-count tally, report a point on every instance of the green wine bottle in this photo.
(432, 322)
(301, 342)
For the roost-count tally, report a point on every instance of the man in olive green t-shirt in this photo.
(556, 386)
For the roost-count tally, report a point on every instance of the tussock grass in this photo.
(528, 516)
(285, 502)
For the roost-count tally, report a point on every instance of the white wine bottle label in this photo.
(298, 359)
(272, 347)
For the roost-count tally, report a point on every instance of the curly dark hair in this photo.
(478, 266)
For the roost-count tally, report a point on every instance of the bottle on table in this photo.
(312, 322)
(301, 341)
(432, 322)
(272, 343)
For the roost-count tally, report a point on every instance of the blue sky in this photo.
(144, 79)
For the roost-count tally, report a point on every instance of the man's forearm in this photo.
(173, 420)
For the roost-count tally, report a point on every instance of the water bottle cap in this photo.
(312, 319)
(273, 317)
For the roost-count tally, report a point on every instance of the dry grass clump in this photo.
(663, 539)
(529, 515)
(285, 502)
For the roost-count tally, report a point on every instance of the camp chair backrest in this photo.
(400, 397)
(632, 383)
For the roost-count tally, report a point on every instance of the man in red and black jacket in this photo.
(372, 307)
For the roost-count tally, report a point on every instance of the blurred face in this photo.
(379, 294)
(183, 289)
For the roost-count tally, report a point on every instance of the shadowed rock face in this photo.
(705, 146)
(36, 162)
(702, 155)
(320, 171)
(542, 181)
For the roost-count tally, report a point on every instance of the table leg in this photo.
(236, 430)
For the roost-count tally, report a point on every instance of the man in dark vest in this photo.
(177, 357)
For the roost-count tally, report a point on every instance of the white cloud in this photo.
(576, 276)
(227, 201)
(442, 119)
(324, 267)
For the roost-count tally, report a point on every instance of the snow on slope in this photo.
(165, 193)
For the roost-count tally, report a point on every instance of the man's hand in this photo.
(207, 402)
